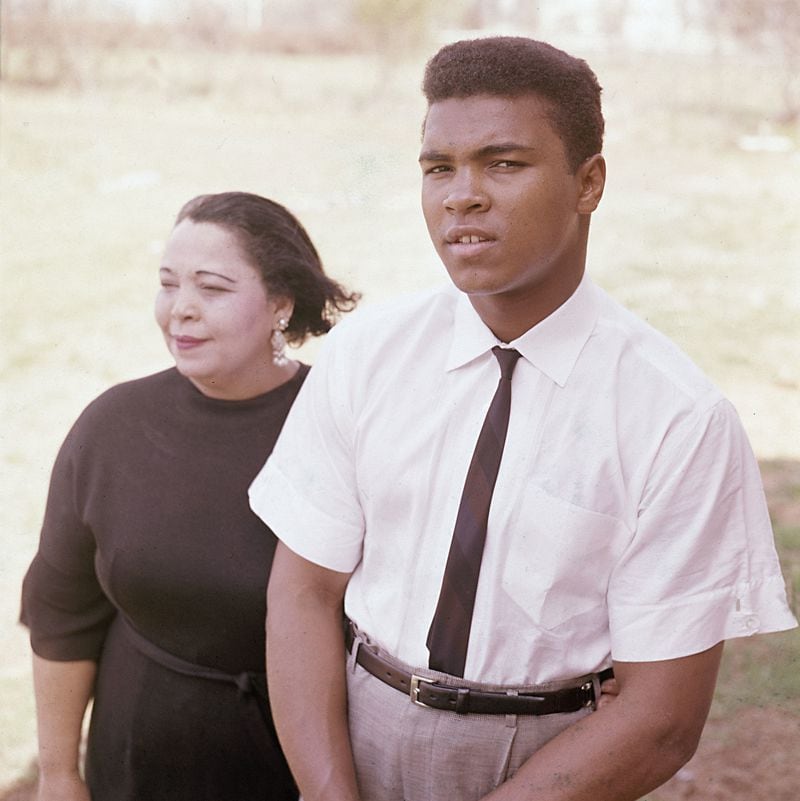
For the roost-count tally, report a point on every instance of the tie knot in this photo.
(507, 357)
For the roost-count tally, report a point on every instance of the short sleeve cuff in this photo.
(654, 633)
(68, 615)
(306, 530)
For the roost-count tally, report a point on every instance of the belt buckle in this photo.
(413, 689)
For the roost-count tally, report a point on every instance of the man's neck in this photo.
(509, 316)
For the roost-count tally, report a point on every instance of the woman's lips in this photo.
(187, 343)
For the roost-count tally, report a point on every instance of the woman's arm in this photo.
(62, 691)
(306, 675)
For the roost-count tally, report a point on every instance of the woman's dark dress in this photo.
(149, 552)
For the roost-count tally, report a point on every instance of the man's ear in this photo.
(591, 178)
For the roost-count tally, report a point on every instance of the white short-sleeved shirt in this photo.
(628, 519)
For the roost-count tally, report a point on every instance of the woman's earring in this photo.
(278, 341)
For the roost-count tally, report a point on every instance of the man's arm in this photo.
(306, 675)
(627, 747)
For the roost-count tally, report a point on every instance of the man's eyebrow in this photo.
(504, 147)
(433, 155)
(488, 150)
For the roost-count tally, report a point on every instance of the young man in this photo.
(624, 525)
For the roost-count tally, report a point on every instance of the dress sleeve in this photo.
(63, 604)
(307, 490)
(702, 566)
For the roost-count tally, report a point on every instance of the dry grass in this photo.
(694, 234)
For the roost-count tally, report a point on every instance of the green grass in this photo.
(693, 234)
(765, 670)
(788, 541)
(759, 671)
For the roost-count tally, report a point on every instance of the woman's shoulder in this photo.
(130, 398)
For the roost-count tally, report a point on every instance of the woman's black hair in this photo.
(276, 244)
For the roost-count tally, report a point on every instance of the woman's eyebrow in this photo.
(216, 275)
(165, 269)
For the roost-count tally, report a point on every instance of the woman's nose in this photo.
(184, 304)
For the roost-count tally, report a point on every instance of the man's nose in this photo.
(466, 193)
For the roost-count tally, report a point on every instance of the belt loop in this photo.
(352, 656)
(511, 720)
(462, 701)
(595, 690)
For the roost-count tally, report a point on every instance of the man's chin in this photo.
(474, 282)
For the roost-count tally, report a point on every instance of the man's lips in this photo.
(462, 235)
(468, 242)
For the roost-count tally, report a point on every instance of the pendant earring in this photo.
(278, 341)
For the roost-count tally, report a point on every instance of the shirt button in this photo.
(751, 622)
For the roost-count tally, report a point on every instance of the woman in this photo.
(148, 588)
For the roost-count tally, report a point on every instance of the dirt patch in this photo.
(781, 479)
(746, 754)
(21, 791)
(676, 246)
(750, 755)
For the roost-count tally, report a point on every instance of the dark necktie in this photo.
(449, 633)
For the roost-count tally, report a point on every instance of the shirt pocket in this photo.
(559, 558)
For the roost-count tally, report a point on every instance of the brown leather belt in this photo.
(463, 700)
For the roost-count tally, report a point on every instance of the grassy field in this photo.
(695, 234)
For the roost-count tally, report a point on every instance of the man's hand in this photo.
(305, 673)
(609, 690)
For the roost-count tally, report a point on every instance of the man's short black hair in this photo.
(510, 66)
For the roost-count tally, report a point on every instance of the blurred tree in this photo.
(393, 29)
(772, 26)
(40, 29)
(394, 23)
(612, 20)
(499, 13)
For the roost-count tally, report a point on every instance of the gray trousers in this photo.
(405, 752)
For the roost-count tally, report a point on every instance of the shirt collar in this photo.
(552, 345)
